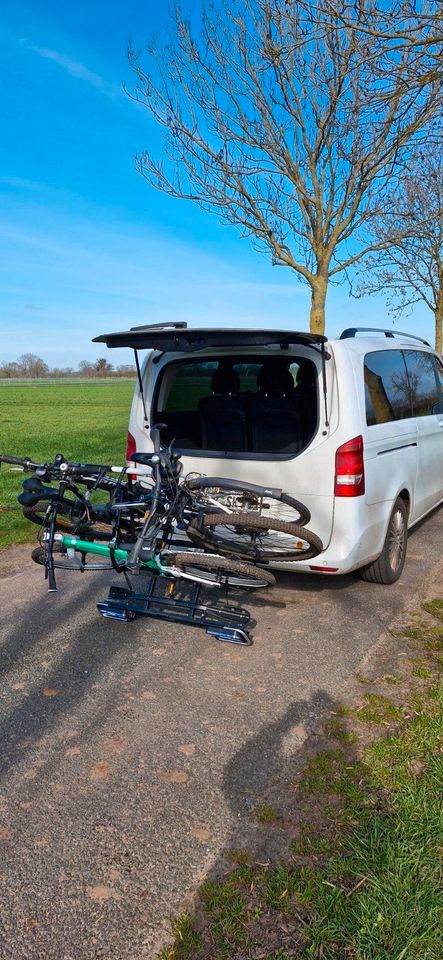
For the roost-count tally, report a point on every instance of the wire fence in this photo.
(28, 381)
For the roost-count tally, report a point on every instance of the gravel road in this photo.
(132, 754)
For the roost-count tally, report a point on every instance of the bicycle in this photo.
(77, 513)
(226, 523)
(54, 511)
(236, 519)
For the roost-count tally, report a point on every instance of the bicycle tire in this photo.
(232, 572)
(238, 534)
(65, 523)
(63, 562)
(237, 496)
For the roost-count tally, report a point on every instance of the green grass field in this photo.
(84, 421)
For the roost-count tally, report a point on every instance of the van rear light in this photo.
(131, 446)
(350, 469)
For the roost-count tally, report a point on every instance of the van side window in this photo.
(190, 383)
(387, 390)
(422, 382)
(439, 372)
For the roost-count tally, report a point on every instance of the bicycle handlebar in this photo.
(81, 468)
(58, 465)
(20, 462)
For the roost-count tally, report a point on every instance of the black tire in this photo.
(66, 522)
(389, 565)
(256, 538)
(63, 562)
(247, 497)
(220, 570)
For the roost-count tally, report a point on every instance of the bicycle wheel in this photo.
(64, 562)
(218, 571)
(255, 538)
(215, 494)
(66, 521)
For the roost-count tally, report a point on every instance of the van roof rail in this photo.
(176, 324)
(352, 331)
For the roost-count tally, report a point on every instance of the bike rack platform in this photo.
(165, 600)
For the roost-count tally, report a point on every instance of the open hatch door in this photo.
(178, 338)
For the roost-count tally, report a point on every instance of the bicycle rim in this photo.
(228, 499)
(255, 538)
(218, 571)
(65, 523)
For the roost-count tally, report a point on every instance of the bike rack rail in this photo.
(165, 600)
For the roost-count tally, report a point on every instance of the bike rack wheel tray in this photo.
(179, 605)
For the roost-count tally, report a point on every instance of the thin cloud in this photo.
(21, 183)
(31, 306)
(75, 68)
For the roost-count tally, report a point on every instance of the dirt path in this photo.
(131, 754)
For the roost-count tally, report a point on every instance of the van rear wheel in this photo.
(389, 565)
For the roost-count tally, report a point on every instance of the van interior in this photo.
(250, 405)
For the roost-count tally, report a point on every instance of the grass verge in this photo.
(362, 879)
(87, 421)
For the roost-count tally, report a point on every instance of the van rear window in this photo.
(247, 405)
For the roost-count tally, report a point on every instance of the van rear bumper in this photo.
(345, 552)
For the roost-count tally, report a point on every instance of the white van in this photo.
(352, 427)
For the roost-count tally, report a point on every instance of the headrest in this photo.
(225, 381)
(306, 375)
(275, 381)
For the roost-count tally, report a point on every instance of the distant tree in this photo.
(33, 366)
(62, 372)
(287, 122)
(408, 267)
(87, 369)
(10, 370)
(103, 368)
(125, 370)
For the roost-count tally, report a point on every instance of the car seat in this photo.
(274, 422)
(222, 416)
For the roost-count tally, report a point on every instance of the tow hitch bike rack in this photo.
(165, 600)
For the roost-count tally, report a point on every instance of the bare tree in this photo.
(401, 25)
(269, 121)
(102, 367)
(33, 366)
(408, 267)
(11, 370)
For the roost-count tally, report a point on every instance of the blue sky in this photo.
(86, 245)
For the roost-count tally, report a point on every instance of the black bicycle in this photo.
(78, 483)
(237, 520)
(183, 534)
(72, 528)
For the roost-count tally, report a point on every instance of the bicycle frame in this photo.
(121, 556)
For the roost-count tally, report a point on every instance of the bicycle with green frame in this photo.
(214, 531)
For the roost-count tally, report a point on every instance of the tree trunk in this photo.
(318, 301)
(438, 314)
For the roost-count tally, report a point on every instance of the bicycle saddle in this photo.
(33, 491)
(144, 458)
